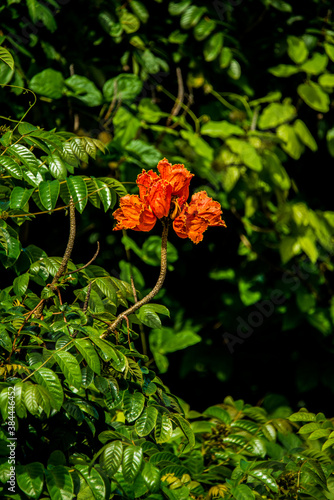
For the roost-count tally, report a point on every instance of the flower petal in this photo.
(159, 198)
(134, 214)
(145, 181)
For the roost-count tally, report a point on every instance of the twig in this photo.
(69, 248)
(180, 96)
(153, 292)
(84, 309)
(88, 263)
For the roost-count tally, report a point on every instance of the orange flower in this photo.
(196, 217)
(177, 176)
(134, 214)
(165, 196)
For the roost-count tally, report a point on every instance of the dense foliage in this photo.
(241, 94)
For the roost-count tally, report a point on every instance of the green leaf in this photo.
(247, 153)
(151, 476)
(57, 167)
(7, 57)
(191, 16)
(163, 429)
(203, 29)
(124, 87)
(78, 190)
(84, 90)
(48, 193)
(186, 429)
(329, 48)
(19, 197)
(225, 57)
(20, 284)
(222, 129)
(276, 171)
(330, 141)
(266, 478)
(327, 81)
(275, 114)
(315, 65)
(242, 492)
(297, 49)
(129, 22)
(234, 71)
(70, 368)
(133, 405)
(11, 166)
(139, 9)
(311, 427)
(86, 349)
(176, 8)
(30, 479)
(146, 422)
(220, 413)
(314, 96)
(132, 460)
(213, 46)
(49, 83)
(111, 457)
(5, 340)
(291, 143)
(95, 481)
(49, 380)
(288, 248)
(147, 314)
(305, 135)
(59, 483)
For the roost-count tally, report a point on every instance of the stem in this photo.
(153, 292)
(69, 247)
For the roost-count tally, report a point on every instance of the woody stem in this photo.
(154, 291)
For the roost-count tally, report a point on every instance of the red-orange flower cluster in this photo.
(166, 195)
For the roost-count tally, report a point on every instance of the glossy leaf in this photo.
(133, 405)
(131, 463)
(48, 193)
(59, 483)
(30, 479)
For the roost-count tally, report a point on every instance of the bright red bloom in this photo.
(196, 217)
(165, 195)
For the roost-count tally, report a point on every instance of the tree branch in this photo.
(153, 292)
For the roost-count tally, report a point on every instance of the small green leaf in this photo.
(242, 492)
(111, 457)
(315, 65)
(48, 193)
(291, 143)
(284, 70)
(305, 135)
(7, 57)
(203, 29)
(49, 380)
(78, 190)
(213, 46)
(191, 16)
(151, 476)
(297, 49)
(30, 479)
(133, 405)
(84, 90)
(70, 368)
(125, 87)
(20, 284)
(59, 483)
(132, 460)
(314, 96)
(87, 350)
(163, 429)
(275, 114)
(146, 422)
(49, 83)
(222, 129)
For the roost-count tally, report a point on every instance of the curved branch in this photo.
(153, 292)
(69, 247)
